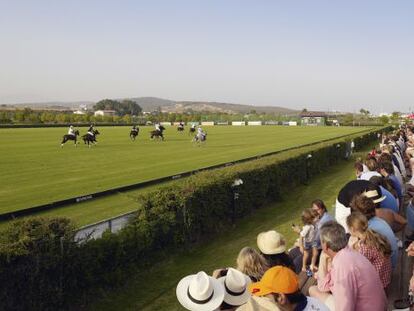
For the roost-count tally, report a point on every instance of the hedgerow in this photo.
(43, 268)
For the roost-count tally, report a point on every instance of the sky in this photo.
(319, 55)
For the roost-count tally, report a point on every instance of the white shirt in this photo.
(315, 305)
(71, 131)
(368, 175)
(308, 233)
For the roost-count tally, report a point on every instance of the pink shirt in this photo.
(354, 283)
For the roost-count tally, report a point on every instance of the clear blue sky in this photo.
(317, 54)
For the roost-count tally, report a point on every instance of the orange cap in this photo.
(279, 280)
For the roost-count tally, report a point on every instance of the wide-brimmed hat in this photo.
(278, 280)
(271, 242)
(235, 285)
(373, 194)
(200, 292)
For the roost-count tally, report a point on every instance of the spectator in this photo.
(366, 206)
(345, 196)
(390, 198)
(352, 280)
(359, 169)
(200, 292)
(372, 245)
(280, 286)
(251, 263)
(272, 245)
(235, 286)
(387, 170)
(372, 166)
(319, 207)
(307, 239)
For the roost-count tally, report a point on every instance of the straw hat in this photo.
(200, 292)
(271, 242)
(373, 194)
(235, 287)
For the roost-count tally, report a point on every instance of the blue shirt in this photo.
(389, 202)
(380, 226)
(396, 184)
(325, 218)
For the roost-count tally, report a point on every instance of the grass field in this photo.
(154, 288)
(35, 170)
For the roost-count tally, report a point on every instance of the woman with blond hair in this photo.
(251, 263)
(372, 245)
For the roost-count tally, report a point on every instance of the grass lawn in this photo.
(35, 170)
(154, 289)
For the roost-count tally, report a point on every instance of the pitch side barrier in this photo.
(91, 196)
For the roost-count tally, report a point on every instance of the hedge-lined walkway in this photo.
(154, 289)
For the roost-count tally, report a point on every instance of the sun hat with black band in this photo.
(236, 290)
(353, 188)
(200, 292)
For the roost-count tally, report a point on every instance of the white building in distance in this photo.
(105, 113)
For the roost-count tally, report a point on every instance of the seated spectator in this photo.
(372, 166)
(200, 292)
(372, 245)
(318, 206)
(251, 263)
(279, 289)
(387, 170)
(390, 200)
(366, 206)
(307, 239)
(235, 286)
(345, 196)
(272, 246)
(359, 169)
(393, 219)
(352, 279)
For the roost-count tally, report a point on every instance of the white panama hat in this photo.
(374, 194)
(200, 292)
(236, 290)
(271, 242)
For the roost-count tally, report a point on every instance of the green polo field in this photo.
(35, 170)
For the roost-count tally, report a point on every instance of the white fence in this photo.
(165, 123)
(95, 231)
(207, 123)
(254, 123)
(238, 123)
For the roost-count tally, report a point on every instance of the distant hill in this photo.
(153, 103)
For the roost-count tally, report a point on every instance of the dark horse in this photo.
(191, 131)
(70, 137)
(180, 128)
(90, 139)
(134, 133)
(158, 134)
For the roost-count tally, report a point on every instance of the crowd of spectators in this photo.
(346, 259)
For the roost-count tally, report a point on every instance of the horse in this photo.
(89, 139)
(134, 133)
(180, 128)
(201, 139)
(191, 131)
(70, 137)
(158, 134)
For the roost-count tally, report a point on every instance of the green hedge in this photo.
(42, 268)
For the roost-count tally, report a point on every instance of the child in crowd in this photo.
(307, 238)
(372, 245)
